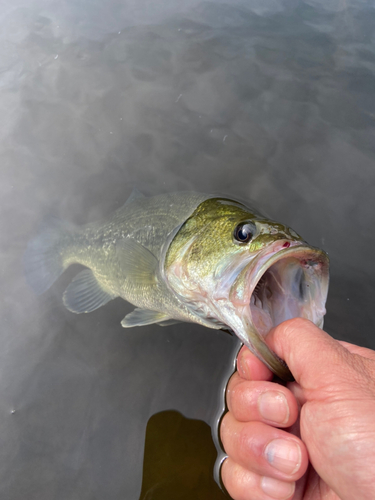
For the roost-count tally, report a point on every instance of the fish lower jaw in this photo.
(291, 283)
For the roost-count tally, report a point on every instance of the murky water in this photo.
(268, 100)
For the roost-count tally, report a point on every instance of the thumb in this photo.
(311, 354)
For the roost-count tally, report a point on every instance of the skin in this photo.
(327, 414)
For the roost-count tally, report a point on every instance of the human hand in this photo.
(327, 417)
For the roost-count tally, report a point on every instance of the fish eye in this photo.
(244, 232)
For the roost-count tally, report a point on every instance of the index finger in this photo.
(249, 367)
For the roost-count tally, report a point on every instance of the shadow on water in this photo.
(178, 453)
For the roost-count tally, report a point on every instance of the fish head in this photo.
(244, 272)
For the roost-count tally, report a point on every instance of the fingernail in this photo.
(277, 489)
(284, 455)
(272, 405)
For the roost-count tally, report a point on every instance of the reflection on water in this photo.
(267, 100)
(178, 454)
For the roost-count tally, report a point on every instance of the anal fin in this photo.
(85, 294)
(142, 317)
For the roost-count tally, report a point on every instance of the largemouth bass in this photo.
(188, 257)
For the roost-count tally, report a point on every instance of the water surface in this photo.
(264, 100)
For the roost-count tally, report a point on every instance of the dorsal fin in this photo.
(135, 195)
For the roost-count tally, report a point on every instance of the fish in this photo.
(188, 257)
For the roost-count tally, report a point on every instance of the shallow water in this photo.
(264, 100)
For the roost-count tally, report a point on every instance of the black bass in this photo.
(188, 257)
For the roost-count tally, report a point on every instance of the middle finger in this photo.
(263, 401)
(263, 449)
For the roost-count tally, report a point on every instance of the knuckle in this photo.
(293, 326)
(226, 430)
(240, 395)
(243, 406)
(238, 482)
(245, 445)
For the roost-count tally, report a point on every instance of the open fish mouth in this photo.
(288, 280)
(292, 283)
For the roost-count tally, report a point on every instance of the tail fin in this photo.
(43, 261)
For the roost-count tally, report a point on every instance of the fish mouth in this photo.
(289, 280)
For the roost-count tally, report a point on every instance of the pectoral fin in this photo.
(137, 263)
(85, 294)
(142, 317)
